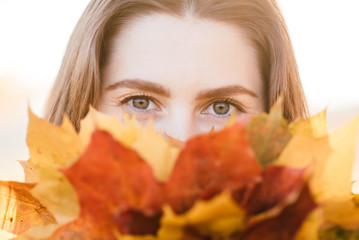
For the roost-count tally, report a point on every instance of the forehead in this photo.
(183, 50)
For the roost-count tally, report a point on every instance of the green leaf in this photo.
(268, 134)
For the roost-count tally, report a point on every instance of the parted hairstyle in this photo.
(79, 84)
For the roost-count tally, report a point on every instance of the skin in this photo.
(187, 74)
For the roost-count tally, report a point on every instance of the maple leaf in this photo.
(113, 183)
(315, 126)
(157, 152)
(331, 160)
(220, 216)
(126, 132)
(311, 225)
(275, 187)
(62, 202)
(19, 210)
(336, 196)
(208, 164)
(337, 232)
(285, 225)
(150, 145)
(268, 134)
(31, 171)
(49, 145)
(38, 232)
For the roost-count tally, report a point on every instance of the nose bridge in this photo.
(180, 124)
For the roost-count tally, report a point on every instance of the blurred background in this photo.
(34, 35)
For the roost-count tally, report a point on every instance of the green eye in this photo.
(140, 102)
(221, 108)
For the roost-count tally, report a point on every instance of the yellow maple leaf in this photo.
(63, 201)
(31, 171)
(307, 152)
(157, 152)
(336, 199)
(315, 126)
(126, 131)
(19, 209)
(119, 236)
(50, 145)
(330, 159)
(311, 226)
(220, 216)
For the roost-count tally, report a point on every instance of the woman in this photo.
(188, 64)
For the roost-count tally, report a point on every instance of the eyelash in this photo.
(230, 101)
(132, 96)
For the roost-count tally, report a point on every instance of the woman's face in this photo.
(188, 75)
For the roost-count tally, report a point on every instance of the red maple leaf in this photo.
(285, 225)
(115, 187)
(210, 163)
(274, 186)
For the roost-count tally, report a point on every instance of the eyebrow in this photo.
(142, 85)
(225, 91)
(148, 86)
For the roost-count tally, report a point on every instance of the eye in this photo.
(223, 108)
(140, 102)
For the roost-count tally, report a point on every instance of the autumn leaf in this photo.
(268, 134)
(113, 184)
(157, 152)
(38, 232)
(313, 155)
(19, 210)
(32, 174)
(130, 237)
(338, 233)
(331, 160)
(285, 225)
(126, 131)
(275, 187)
(336, 196)
(208, 164)
(62, 202)
(311, 226)
(220, 216)
(315, 126)
(49, 145)
(150, 145)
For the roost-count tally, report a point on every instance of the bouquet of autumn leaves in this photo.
(257, 179)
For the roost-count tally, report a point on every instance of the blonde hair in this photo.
(78, 84)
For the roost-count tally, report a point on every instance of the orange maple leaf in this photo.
(115, 187)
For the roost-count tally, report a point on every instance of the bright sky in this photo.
(325, 35)
(34, 34)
